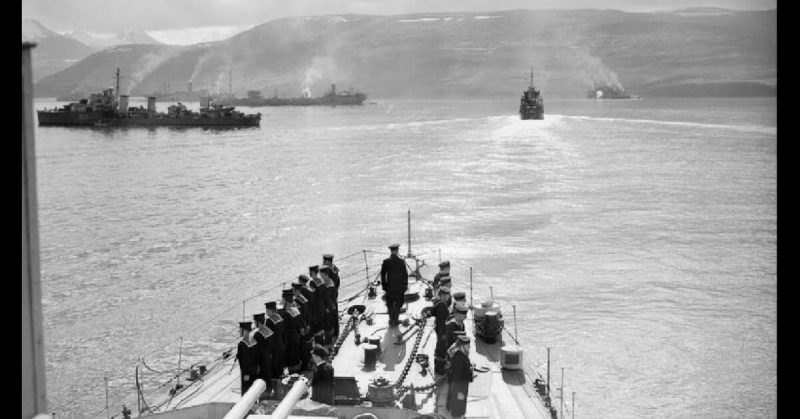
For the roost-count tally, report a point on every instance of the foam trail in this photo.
(753, 128)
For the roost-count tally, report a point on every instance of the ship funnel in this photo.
(151, 104)
(205, 101)
(123, 104)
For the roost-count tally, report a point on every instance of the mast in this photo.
(230, 83)
(531, 76)
(116, 91)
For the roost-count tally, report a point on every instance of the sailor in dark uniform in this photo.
(445, 281)
(292, 321)
(301, 302)
(266, 348)
(247, 356)
(275, 322)
(444, 270)
(441, 311)
(332, 318)
(321, 300)
(458, 376)
(322, 382)
(456, 323)
(327, 260)
(459, 298)
(307, 307)
(394, 281)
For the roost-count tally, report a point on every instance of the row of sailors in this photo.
(451, 355)
(284, 338)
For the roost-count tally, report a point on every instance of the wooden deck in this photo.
(495, 393)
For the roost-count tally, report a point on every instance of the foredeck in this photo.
(494, 392)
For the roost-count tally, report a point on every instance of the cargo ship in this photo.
(531, 105)
(109, 108)
(332, 98)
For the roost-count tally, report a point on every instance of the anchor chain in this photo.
(413, 355)
(351, 324)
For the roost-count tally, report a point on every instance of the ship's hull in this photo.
(354, 100)
(531, 112)
(104, 119)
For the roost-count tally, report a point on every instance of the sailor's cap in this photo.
(444, 289)
(313, 268)
(444, 264)
(287, 293)
(245, 325)
(394, 246)
(461, 295)
(303, 279)
(320, 351)
(327, 256)
(259, 317)
(296, 285)
(272, 305)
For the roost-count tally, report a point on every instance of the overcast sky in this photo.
(166, 16)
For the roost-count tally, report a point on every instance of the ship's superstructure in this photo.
(531, 105)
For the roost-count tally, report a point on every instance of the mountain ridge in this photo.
(460, 54)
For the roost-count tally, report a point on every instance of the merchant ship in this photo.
(109, 108)
(332, 98)
(531, 105)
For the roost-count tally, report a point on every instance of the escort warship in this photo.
(332, 98)
(381, 370)
(109, 108)
(531, 105)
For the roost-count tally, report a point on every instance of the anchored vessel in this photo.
(332, 98)
(531, 105)
(109, 108)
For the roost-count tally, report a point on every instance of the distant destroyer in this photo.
(531, 105)
(109, 108)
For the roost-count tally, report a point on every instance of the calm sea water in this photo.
(637, 239)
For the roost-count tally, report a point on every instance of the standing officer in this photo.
(266, 348)
(394, 281)
(275, 322)
(458, 376)
(444, 270)
(247, 355)
(441, 311)
(322, 382)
